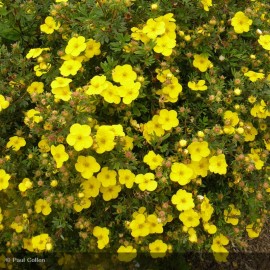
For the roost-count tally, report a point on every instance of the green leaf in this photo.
(136, 111)
(3, 11)
(7, 32)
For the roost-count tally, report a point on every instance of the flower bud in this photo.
(154, 6)
(237, 91)
(182, 143)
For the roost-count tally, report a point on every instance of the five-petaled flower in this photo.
(59, 154)
(241, 22)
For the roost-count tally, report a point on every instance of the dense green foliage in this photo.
(133, 127)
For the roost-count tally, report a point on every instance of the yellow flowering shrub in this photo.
(133, 130)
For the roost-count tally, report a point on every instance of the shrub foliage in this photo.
(130, 127)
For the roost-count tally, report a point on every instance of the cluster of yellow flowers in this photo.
(161, 30)
(128, 89)
(43, 65)
(144, 224)
(164, 121)
(38, 243)
(77, 145)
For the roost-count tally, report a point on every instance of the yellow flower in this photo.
(206, 4)
(75, 46)
(146, 181)
(222, 255)
(126, 177)
(42, 68)
(253, 232)
(267, 144)
(35, 87)
(35, 52)
(32, 115)
(172, 90)
(183, 200)
(91, 187)
(154, 225)
(110, 192)
(254, 76)
(200, 167)
(231, 215)
(264, 40)
(231, 118)
(255, 158)
(60, 82)
(129, 92)
(102, 234)
(49, 26)
(201, 62)
(263, 126)
(250, 132)
(259, 110)
(110, 93)
(87, 166)
(137, 34)
(153, 127)
(210, 228)
(4, 178)
(107, 177)
(84, 203)
(153, 160)
(252, 99)
(25, 184)
(27, 244)
(241, 22)
(79, 58)
(199, 86)
(59, 155)
(92, 48)
(79, 137)
(139, 226)
(116, 129)
(39, 242)
(162, 74)
(164, 45)
(3, 103)
(158, 249)
(43, 146)
(170, 25)
(104, 140)
(63, 93)
(70, 67)
(206, 209)
(153, 28)
(42, 206)
(16, 143)
(168, 119)
(128, 143)
(192, 235)
(198, 150)
(124, 74)
(190, 218)
(218, 242)
(97, 85)
(217, 164)
(181, 173)
(18, 227)
(126, 254)
(219, 251)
